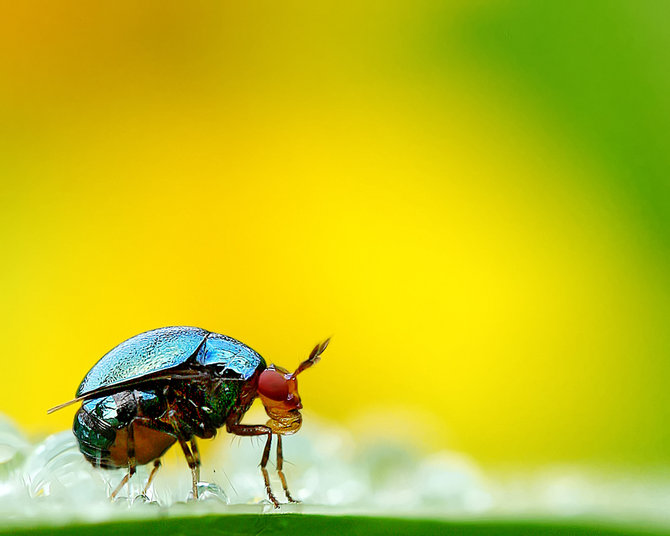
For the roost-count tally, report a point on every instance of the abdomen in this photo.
(102, 427)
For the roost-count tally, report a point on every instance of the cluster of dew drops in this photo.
(328, 469)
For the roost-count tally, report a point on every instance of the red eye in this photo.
(273, 385)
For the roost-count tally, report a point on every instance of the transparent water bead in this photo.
(13, 450)
(209, 491)
(452, 483)
(13, 447)
(56, 468)
(328, 468)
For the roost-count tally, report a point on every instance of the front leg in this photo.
(256, 430)
(280, 472)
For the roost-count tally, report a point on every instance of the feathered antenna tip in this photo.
(314, 357)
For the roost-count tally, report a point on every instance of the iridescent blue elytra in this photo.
(166, 348)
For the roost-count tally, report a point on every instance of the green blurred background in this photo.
(473, 197)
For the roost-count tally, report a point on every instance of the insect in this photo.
(177, 383)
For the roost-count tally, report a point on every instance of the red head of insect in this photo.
(278, 390)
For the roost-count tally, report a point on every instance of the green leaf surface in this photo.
(321, 525)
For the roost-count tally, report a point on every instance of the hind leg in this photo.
(157, 464)
(124, 480)
(132, 462)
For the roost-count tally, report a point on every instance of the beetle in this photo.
(177, 383)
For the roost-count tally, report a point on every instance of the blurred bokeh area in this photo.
(473, 198)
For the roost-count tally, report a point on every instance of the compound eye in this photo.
(273, 385)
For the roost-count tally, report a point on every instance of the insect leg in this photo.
(266, 477)
(280, 472)
(196, 456)
(190, 459)
(157, 464)
(254, 430)
(132, 463)
(264, 462)
(124, 480)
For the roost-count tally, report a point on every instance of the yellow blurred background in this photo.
(410, 177)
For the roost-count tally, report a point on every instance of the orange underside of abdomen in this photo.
(149, 445)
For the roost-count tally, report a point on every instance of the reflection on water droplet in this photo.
(209, 491)
(13, 447)
(55, 466)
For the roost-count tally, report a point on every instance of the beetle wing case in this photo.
(230, 356)
(146, 353)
